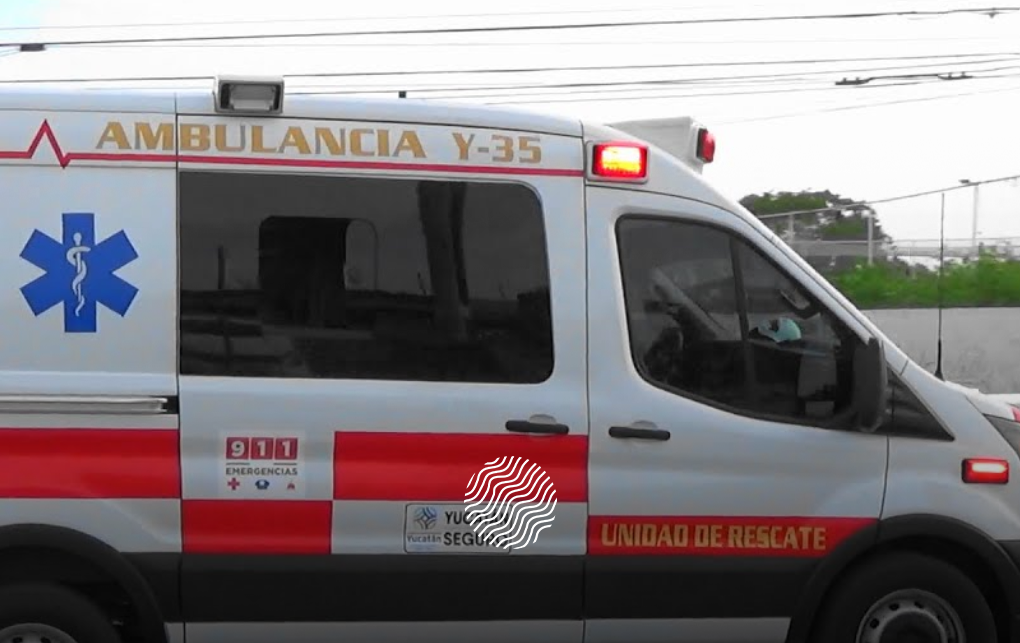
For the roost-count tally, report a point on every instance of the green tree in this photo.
(824, 215)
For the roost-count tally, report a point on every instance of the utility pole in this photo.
(974, 217)
(871, 238)
(974, 213)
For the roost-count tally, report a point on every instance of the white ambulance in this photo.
(282, 368)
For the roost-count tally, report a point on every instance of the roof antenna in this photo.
(942, 261)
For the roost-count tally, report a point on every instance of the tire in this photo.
(929, 582)
(69, 616)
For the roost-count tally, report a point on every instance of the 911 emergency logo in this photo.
(262, 466)
(79, 273)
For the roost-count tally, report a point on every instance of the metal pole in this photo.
(871, 240)
(942, 263)
(974, 220)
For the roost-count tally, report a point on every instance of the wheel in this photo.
(41, 613)
(906, 598)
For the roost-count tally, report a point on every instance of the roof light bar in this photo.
(620, 161)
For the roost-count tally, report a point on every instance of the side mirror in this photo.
(871, 385)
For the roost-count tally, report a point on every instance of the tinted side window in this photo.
(682, 309)
(363, 278)
(802, 355)
(711, 317)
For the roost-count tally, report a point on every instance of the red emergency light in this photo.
(706, 145)
(985, 471)
(620, 161)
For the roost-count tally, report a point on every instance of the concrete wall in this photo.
(981, 346)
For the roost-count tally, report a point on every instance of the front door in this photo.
(722, 470)
(358, 352)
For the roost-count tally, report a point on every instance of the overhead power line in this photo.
(634, 96)
(655, 92)
(635, 93)
(528, 70)
(617, 86)
(568, 98)
(565, 89)
(432, 44)
(274, 21)
(518, 28)
(870, 79)
(458, 92)
(843, 108)
(902, 197)
(669, 82)
(756, 92)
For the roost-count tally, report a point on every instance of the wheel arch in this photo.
(80, 556)
(947, 538)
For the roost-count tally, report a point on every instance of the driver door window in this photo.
(711, 318)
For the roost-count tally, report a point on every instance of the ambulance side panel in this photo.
(362, 330)
(88, 269)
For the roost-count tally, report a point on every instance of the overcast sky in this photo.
(805, 133)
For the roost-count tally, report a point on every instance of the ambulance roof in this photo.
(406, 110)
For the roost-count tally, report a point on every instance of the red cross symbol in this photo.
(233, 484)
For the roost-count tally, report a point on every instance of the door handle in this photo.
(539, 428)
(639, 433)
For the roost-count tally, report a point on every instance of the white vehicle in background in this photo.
(257, 347)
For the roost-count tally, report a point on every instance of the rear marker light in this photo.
(1016, 413)
(985, 471)
(706, 146)
(620, 161)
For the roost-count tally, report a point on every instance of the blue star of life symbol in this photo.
(79, 273)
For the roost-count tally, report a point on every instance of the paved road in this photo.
(981, 345)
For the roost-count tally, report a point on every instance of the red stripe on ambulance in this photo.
(257, 526)
(436, 467)
(720, 535)
(89, 463)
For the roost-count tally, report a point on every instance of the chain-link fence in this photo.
(978, 220)
(833, 255)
